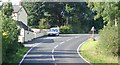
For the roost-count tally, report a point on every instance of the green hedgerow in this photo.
(109, 39)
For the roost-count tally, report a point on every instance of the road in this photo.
(55, 50)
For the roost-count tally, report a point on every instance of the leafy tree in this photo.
(35, 11)
(7, 9)
(110, 13)
(108, 10)
(43, 23)
(77, 15)
(9, 31)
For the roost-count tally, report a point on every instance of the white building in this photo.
(26, 34)
(20, 16)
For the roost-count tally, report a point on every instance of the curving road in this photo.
(55, 50)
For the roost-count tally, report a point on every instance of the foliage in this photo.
(109, 39)
(65, 29)
(89, 50)
(10, 45)
(9, 31)
(108, 10)
(110, 13)
(77, 15)
(43, 23)
(35, 11)
(7, 9)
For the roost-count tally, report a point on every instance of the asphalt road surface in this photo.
(55, 50)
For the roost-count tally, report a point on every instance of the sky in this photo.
(14, 2)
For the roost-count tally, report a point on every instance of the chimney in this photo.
(20, 2)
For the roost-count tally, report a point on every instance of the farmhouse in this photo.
(26, 33)
(20, 16)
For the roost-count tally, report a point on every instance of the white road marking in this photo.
(56, 46)
(53, 51)
(53, 58)
(61, 42)
(79, 52)
(76, 37)
(28, 52)
(52, 37)
(69, 39)
(25, 55)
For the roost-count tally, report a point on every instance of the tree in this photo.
(76, 15)
(110, 13)
(9, 31)
(35, 11)
(108, 10)
(7, 9)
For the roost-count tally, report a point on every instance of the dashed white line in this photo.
(53, 58)
(56, 46)
(53, 51)
(61, 42)
(76, 37)
(69, 39)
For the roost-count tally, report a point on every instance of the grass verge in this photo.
(14, 56)
(19, 54)
(89, 50)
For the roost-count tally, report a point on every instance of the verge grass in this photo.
(14, 58)
(89, 50)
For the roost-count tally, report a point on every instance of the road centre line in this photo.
(53, 58)
(52, 50)
(61, 42)
(69, 39)
(57, 46)
(77, 37)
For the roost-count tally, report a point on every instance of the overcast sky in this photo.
(15, 2)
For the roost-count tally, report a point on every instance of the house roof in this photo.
(16, 8)
(25, 27)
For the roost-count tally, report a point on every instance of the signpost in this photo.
(93, 33)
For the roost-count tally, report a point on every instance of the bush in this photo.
(109, 39)
(11, 49)
(9, 36)
(65, 29)
(43, 23)
(9, 32)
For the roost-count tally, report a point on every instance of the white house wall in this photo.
(22, 16)
(28, 36)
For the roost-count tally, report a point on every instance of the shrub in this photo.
(109, 39)
(9, 36)
(43, 23)
(65, 29)
(9, 32)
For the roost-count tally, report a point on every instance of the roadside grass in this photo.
(18, 56)
(15, 57)
(95, 56)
